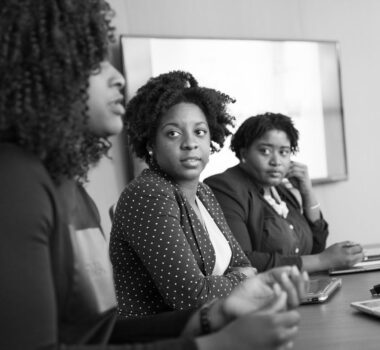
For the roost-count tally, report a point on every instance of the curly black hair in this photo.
(48, 51)
(159, 94)
(256, 126)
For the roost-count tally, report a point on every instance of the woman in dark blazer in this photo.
(272, 225)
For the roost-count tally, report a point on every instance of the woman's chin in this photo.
(274, 182)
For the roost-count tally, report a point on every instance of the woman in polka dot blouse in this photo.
(171, 247)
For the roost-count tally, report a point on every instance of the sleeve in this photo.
(172, 344)
(236, 206)
(265, 261)
(320, 229)
(27, 295)
(160, 326)
(152, 228)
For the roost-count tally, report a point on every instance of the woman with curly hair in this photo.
(269, 222)
(60, 100)
(170, 245)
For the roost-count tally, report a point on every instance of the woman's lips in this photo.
(191, 161)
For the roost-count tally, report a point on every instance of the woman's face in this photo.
(105, 101)
(182, 143)
(268, 158)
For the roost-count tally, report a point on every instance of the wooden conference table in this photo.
(335, 324)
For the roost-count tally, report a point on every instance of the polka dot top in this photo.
(162, 256)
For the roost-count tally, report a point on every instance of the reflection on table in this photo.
(335, 324)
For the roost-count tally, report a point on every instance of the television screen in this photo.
(300, 79)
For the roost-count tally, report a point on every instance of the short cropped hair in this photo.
(49, 49)
(159, 94)
(255, 127)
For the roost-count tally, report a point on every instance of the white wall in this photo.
(351, 206)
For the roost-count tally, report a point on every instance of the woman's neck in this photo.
(266, 190)
(189, 190)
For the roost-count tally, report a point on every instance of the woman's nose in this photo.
(189, 141)
(117, 78)
(275, 159)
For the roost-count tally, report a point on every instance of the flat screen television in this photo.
(300, 79)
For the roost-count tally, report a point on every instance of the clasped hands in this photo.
(260, 312)
(278, 289)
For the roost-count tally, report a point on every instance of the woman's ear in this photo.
(243, 154)
(150, 151)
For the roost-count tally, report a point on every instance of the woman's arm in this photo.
(27, 295)
(298, 175)
(156, 327)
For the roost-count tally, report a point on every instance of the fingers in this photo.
(291, 281)
(278, 302)
(289, 318)
(353, 251)
(246, 270)
(294, 284)
(289, 345)
(288, 286)
(274, 275)
(355, 258)
(287, 328)
(300, 281)
(344, 254)
(297, 170)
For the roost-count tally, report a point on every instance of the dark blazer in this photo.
(162, 257)
(268, 239)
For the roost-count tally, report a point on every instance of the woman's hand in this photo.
(249, 271)
(252, 295)
(298, 175)
(262, 330)
(290, 280)
(272, 291)
(342, 254)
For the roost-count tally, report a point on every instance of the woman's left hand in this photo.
(298, 175)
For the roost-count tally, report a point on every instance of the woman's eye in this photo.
(172, 133)
(285, 152)
(201, 132)
(265, 151)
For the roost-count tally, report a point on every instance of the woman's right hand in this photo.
(342, 254)
(262, 330)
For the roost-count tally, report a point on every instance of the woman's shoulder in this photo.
(149, 184)
(26, 190)
(232, 180)
(21, 166)
(16, 155)
(233, 175)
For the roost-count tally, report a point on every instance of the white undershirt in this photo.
(222, 249)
